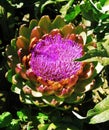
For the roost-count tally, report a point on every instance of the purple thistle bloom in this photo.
(53, 58)
(43, 69)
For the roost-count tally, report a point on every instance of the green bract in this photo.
(54, 93)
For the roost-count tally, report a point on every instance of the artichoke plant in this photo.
(43, 63)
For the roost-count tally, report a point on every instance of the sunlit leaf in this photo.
(101, 6)
(5, 119)
(43, 126)
(65, 8)
(52, 127)
(23, 114)
(100, 54)
(100, 118)
(100, 113)
(42, 118)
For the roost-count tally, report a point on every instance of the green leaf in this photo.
(14, 4)
(5, 119)
(105, 5)
(100, 113)
(23, 115)
(86, 9)
(65, 8)
(2, 11)
(100, 107)
(103, 60)
(101, 6)
(47, 3)
(100, 118)
(52, 126)
(73, 14)
(42, 118)
(14, 125)
(99, 54)
(9, 75)
(43, 126)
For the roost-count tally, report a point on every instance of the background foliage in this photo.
(93, 113)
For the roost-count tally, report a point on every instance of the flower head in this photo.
(43, 63)
(53, 58)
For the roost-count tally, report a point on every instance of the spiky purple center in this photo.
(53, 58)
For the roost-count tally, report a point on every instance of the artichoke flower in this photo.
(43, 66)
